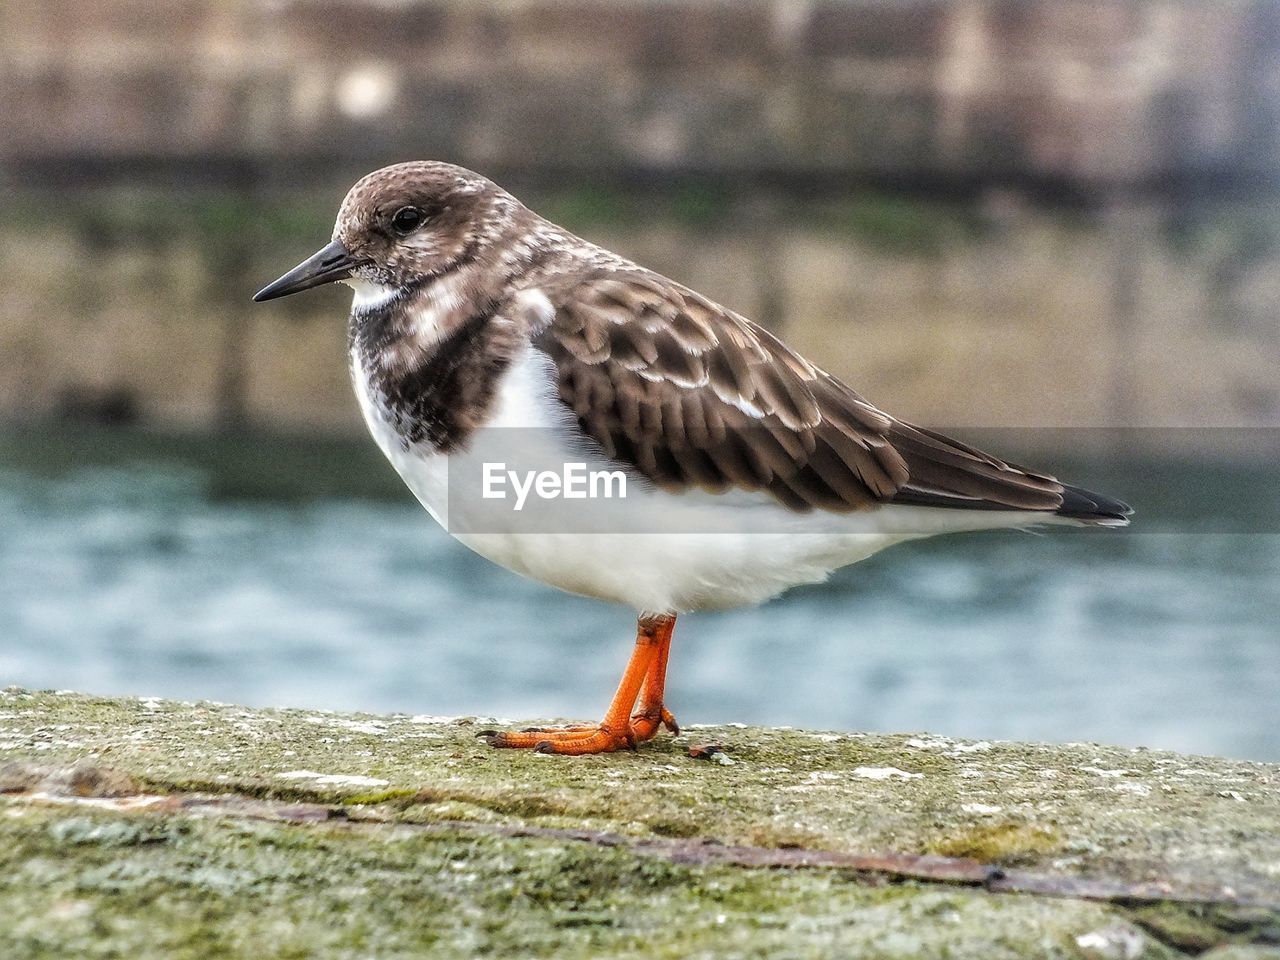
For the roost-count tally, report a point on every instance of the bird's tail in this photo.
(1093, 509)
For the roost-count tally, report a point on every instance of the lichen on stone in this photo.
(159, 829)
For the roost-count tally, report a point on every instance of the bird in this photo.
(476, 323)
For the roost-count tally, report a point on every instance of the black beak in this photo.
(332, 263)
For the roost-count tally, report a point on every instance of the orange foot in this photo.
(586, 738)
(644, 678)
(568, 740)
(650, 720)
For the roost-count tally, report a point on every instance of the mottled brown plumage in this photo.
(678, 388)
(692, 394)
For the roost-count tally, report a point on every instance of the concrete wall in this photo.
(1022, 316)
(788, 157)
(1086, 91)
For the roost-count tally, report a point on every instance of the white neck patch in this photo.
(369, 295)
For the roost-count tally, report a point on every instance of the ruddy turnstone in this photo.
(751, 470)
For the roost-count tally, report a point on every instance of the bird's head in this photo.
(402, 226)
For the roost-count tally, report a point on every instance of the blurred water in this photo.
(296, 573)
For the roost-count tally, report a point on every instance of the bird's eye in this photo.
(406, 220)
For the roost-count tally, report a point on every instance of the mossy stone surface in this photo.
(101, 854)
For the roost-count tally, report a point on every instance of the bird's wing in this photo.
(693, 395)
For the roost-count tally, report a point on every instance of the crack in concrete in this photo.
(925, 868)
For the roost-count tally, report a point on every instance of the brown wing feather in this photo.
(692, 395)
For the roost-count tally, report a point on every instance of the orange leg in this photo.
(646, 671)
(652, 713)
